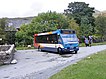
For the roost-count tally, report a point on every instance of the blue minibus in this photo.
(61, 41)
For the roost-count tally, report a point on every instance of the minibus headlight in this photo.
(77, 47)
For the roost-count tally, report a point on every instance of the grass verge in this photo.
(81, 45)
(93, 44)
(24, 48)
(93, 67)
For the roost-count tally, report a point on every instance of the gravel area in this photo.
(41, 65)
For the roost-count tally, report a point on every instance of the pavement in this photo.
(33, 64)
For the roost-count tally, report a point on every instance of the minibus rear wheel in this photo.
(39, 49)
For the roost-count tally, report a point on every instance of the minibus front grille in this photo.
(68, 47)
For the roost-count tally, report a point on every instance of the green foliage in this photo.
(3, 23)
(24, 36)
(2, 30)
(10, 37)
(43, 22)
(6, 33)
(78, 10)
(101, 27)
(73, 25)
(82, 13)
(86, 30)
(50, 21)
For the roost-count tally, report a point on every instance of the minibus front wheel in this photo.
(59, 50)
(75, 52)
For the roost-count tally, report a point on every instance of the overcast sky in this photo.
(26, 8)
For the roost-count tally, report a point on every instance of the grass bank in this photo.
(93, 67)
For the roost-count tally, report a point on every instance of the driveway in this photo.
(41, 65)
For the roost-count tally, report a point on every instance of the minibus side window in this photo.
(59, 40)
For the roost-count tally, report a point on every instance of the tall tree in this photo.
(82, 13)
(2, 23)
(101, 27)
(2, 30)
(7, 33)
(78, 10)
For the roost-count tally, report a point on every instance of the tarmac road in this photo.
(41, 65)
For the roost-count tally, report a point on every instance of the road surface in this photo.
(41, 65)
